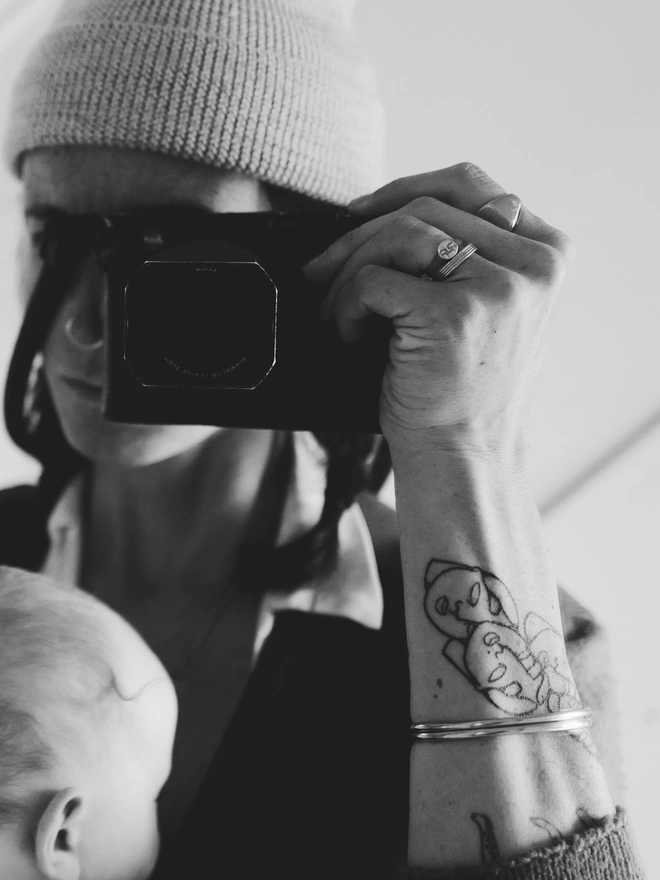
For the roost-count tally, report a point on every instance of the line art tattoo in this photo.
(586, 821)
(515, 665)
(544, 825)
(490, 852)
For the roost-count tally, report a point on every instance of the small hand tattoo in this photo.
(551, 830)
(490, 852)
(586, 820)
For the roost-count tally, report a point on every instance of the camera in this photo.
(211, 321)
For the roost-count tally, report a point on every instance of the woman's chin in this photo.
(122, 445)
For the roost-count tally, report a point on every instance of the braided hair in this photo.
(356, 463)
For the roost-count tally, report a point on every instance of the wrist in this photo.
(467, 505)
(476, 466)
(503, 449)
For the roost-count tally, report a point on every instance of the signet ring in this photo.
(448, 257)
(445, 252)
(503, 211)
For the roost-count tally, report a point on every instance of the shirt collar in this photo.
(351, 590)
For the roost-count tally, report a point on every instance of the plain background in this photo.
(558, 102)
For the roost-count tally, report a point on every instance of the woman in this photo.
(251, 576)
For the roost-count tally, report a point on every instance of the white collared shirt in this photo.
(351, 590)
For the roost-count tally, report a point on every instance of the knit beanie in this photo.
(278, 89)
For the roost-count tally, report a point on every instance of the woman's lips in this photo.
(83, 389)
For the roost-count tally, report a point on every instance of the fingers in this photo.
(413, 303)
(405, 242)
(409, 218)
(375, 290)
(540, 255)
(535, 229)
(406, 233)
(465, 186)
(390, 293)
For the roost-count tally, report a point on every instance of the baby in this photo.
(87, 721)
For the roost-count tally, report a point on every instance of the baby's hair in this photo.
(50, 646)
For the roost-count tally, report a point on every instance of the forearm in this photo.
(471, 534)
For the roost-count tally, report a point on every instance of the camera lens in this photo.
(205, 321)
(201, 323)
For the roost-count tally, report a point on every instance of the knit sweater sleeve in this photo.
(605, 852)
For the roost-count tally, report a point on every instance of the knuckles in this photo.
(348, 241)
(468, 172)
(424, 205)
(566, 247)
(368, 275)
(501, 286)
(547, 264)
(405, 225)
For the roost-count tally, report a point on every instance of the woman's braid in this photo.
(355, 463)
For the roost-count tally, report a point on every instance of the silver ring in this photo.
(446, 251)
(445, 271)
(503, 211)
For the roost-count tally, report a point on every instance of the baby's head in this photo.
(87, 721)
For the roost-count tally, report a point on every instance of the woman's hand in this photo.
(465, 351)
(463, 359)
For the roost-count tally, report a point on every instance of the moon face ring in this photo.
(445, 251)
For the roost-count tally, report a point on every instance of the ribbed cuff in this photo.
(603, 853)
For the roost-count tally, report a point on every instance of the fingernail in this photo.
(315, 261)
(358, 203)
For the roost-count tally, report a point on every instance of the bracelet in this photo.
(573, 719)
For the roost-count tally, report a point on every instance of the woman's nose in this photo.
(84, 324)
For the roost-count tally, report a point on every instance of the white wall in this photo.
(558, 101)
(603, 541)
(20, 23)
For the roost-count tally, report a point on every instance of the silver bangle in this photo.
(573, 719)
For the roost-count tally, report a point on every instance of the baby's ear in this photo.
(57, 843)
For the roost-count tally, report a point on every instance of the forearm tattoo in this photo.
(519, 666)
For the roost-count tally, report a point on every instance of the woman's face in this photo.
(82, 180)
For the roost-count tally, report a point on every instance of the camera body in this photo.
(211, 321)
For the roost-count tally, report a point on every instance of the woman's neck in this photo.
(173, 528)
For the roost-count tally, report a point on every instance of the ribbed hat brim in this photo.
(278, 89)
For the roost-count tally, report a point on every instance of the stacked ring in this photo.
(446, 251)
(449, 256)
